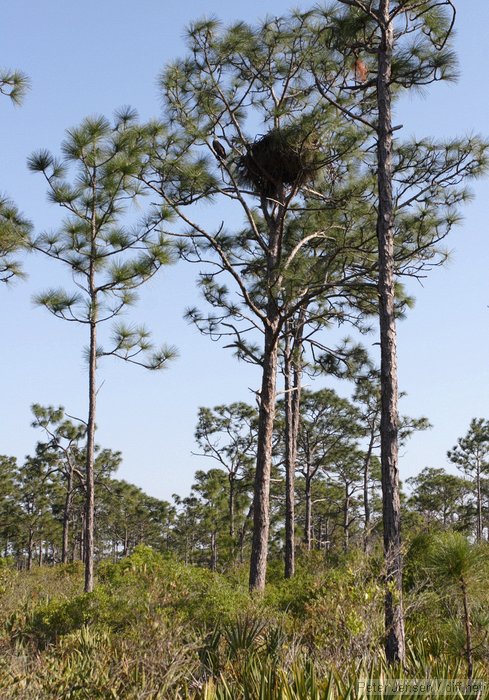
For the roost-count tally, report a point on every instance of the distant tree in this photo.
(471, 455)
(201, 530)
(367, 400)
(66, 449)
(32, 492)
(10, 513)
(438, 495)
(346, 471)
(210, 488)
(186, 540)
(327, 531)
(107, 260)
(228, 434)
(127, 517)
(327, 436)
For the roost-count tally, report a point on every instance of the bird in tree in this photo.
(219, 149)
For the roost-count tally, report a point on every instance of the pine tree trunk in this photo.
(292, 375)
(90, 485)
(366, 500)
(479, 505)
(231, 506)
(66, 517)
(346, 520)
(468, 631)
(319, 544)
(213, 551)
(30, 546)
(73, 549)
(394, 618)
(289, 562)
(261, 498)
(266, 417)
(243, 531)
(82, 537)
(308, 518)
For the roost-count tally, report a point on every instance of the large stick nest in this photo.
(284, 156)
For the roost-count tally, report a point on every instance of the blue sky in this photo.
(92, 57)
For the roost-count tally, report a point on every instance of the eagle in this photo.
(218, 149)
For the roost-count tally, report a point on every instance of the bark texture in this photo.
(67, 515)
(308, 515)
(261, 495)
(394, 618)
(292, 408)
(268, 394)
(92, 404)
(90, 460)
(366, 499)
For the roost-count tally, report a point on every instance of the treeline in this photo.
(337, 496)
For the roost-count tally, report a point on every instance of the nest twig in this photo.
(286, 156)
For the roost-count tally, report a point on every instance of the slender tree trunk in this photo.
(243, 531)
(479, 505)
(231, 506)
(90, 485)
(73, 549)
(394, 618)
(346, 520)
(289, 562)
(320, 534)
(366, 499)
(30, 546)
(66, 516)
(92, 399)
(468, 631)
(308, 517)
(213, 551)
(261, 498)
(82, 537)
(292, 376)
(40, 557)
(266, 416)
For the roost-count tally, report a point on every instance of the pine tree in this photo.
(471, 455)
(287, 183)
(385, 47)
(227, 434)
(108, 261)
